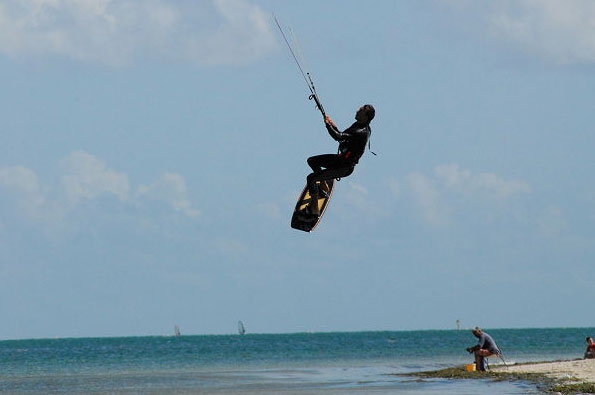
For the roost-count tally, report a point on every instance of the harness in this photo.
(344, 155)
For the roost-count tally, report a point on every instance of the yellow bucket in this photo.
(470, 368)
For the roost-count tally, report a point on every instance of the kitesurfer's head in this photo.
(365, 113)
(477, 331)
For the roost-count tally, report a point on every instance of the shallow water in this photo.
(358, 362)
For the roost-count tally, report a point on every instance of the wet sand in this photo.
(582, 370)
(562, 377)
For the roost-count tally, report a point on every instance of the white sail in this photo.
(241, 329)
(177, 331)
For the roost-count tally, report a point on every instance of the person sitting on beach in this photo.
(590, 351)
(485, 347)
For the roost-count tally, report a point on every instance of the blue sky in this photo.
(151, 153)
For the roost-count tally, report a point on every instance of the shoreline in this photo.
(566, 377)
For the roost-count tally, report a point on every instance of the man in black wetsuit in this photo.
(352, 145)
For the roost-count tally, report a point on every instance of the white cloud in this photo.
(463, 180)
(427, 199)
(438, 196)
(394, 186)
(563, 30)
(87, 178)
(24, 184)
(117, 32)
(552, 222)
(48, 206)
(270, 209)
(231, 247)
(19, 178)
(560, 30)
(170, 188)
(358, 188)
(357, 196)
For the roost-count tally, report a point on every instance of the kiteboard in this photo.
(302, 218)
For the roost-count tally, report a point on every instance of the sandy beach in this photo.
(563, 377)
(578, 370)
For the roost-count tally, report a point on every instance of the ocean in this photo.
(297, 363)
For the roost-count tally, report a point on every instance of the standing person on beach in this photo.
(590, 351)
(485, 347)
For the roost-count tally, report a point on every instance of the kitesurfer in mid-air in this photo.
(352, 145)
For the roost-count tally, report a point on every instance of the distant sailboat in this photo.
(177, 331)
(241, 329)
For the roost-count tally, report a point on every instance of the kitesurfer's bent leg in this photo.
(342, 169)
(327, 174)
(327, 167)
(319, 162)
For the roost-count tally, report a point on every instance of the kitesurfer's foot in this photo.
(314, 210)
(309, 212)
(323, 189)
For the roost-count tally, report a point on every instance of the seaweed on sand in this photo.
(539, 379)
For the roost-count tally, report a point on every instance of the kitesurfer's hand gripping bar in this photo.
(329, 121)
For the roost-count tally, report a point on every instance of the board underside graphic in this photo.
(302, 219)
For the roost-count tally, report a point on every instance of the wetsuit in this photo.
(352, 145)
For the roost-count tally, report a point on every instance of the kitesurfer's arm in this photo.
(332, 129)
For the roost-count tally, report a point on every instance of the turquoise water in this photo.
(354, 362)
